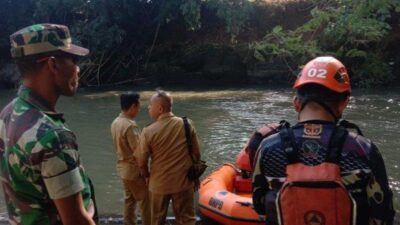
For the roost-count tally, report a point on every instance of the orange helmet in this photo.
(326, 71)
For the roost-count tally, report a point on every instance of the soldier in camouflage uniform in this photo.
(41, 173)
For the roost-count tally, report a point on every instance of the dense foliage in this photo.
(355, 31)
(132, 40)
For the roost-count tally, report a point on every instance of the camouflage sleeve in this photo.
(60, 164)
(259, 185)
(132, 135)
(378, 190)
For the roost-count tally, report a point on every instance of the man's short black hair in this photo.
(310, 92)
(128, 99)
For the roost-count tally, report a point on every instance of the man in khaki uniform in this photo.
(125, 135)
(164, 141)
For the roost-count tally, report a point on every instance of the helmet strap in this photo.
(323, 105)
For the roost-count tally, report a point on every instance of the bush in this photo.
(353, 31)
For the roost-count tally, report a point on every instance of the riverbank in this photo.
(171, 221)
(117, 220)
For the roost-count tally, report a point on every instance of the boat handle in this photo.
(206, 181)
(244, 203)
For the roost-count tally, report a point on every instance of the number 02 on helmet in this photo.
(326, 71)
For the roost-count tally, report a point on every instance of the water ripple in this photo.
(224, 120)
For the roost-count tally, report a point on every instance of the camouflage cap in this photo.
(42, 38)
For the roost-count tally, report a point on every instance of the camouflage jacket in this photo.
(39, 161)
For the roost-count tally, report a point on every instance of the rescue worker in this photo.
(125, 134)
(323, 91)
(42, 176)
(164, 142)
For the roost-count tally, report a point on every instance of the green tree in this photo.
(15, 14)
(235, 14)
(354, 31)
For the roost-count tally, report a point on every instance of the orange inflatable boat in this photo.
(225, 197)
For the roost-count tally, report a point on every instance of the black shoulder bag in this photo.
(198, 167)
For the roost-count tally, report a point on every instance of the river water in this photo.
(224, 118)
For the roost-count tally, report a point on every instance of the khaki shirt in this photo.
(164, 142)
(125, 134)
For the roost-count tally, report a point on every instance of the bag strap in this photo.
(283, 124)
(348, 125)
(289, 144)
(188, 136)
(335, 146)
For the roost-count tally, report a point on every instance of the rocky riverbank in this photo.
(118, 220)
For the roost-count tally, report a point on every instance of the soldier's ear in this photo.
(52, 64)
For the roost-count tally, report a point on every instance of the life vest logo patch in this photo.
(310, 149)
(312, 130)
(314, 218)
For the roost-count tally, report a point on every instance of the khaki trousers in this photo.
(136, 193)
(182, 204)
